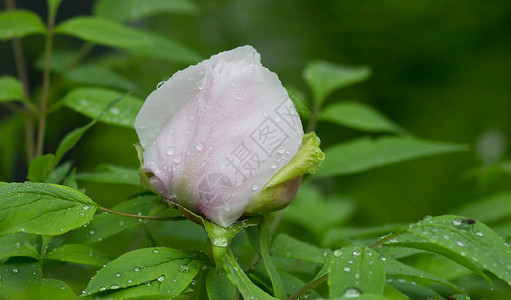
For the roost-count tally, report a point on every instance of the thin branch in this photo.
(311, 285)
(21, 70)
(119, 213)
(46, 85)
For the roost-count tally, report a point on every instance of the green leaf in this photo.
(392, 293)
(298, 97)
(41, 167)
(92, 101)
(70, 180)
(108, 33)
(11, 89)
(18, 244)
(105, 225)
(44, 209)
(324, 78)
(53, 6)
(19, 23)
(287, 246)
(317, 213)
(174, 269)
(11, 150)
(397, 268)
(489, 209)
(73, 137)
(356, 267)
(359, 116)
(365, 154)
(111, 174)
(128, 10)
(95, 75)
(238, 277)
(55, 289)
(412, 288)
(218, 285)
(59, 173)
(471, 245)
(264, 244)
(80, 254)
(18, 278)
(353, 293)
(336, 236)
(293, 284)
(61, 60)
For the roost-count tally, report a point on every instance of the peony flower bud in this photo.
(215, 134)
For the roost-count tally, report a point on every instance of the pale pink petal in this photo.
(216, 147)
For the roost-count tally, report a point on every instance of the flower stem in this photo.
(119, 213)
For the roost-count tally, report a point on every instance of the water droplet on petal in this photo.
(273, 165)
(456, 222)
(171, 150)
(479, 233)
(103, 288)
(281, 150)
(460, 243)
(114, 286)
(227, 207)
(85, 207)
(160, 84)
(255, 186)
(199, 146)
(161, 278)
(176, 159)
(156, 251)
(347, 269)
(136, 269)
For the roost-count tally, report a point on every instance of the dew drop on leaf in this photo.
(183, 268)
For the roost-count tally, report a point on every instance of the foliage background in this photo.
(441, 69)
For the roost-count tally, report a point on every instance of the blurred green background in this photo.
(441, 69)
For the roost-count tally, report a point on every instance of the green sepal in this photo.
(280, 190)
(219, 237)
(144, 178)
